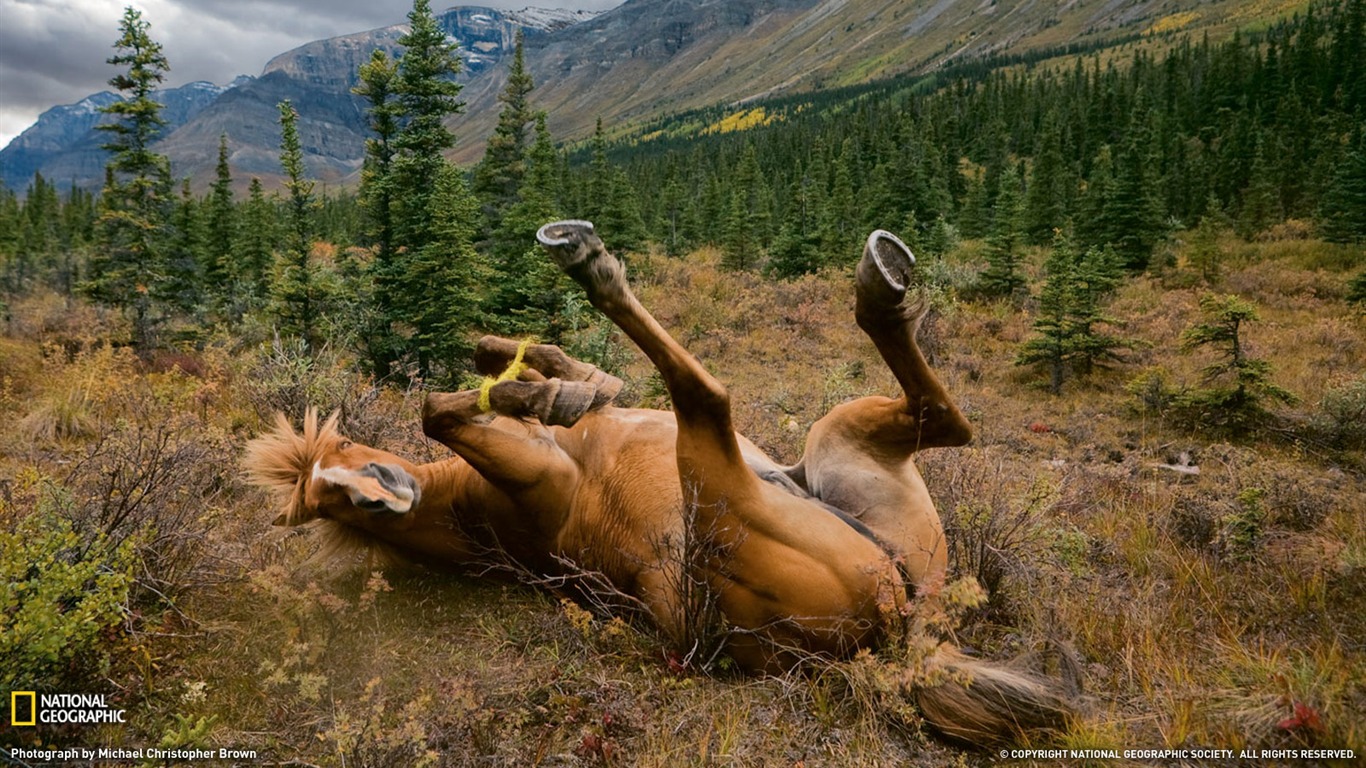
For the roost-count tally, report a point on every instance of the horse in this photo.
(817, 559)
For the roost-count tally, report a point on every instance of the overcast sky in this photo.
(54, 51)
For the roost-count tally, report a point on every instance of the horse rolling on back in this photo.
(815, 559)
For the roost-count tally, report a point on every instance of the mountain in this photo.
(637, 61)
(316, 77)
(648, 57)
(65, 146)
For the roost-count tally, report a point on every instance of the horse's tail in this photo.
(986, 703)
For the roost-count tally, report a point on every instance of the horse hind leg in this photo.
(883, 313)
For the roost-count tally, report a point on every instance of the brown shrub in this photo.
(1290, 229)
(993, 535)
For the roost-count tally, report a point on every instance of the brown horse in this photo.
(815, 559)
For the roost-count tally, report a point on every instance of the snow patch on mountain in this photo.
(549, 19)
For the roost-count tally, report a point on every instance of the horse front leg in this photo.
(709, 456)
(512, 453)
(494, 354)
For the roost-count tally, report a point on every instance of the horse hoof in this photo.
(885, 265)
(884, 272)
(572, 401)
(570, 241)
(608, 387)
(564, 232)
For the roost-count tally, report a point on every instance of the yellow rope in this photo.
(510, 373)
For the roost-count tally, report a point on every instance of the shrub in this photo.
(371, 732)
(60, 593)
(1242, 528)
(288, 378)
(1193, 519)
(153, 484)
(993, 534)
(1244, 383)
(1341, 418)
(1153, 392)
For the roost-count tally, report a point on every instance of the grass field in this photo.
(1224, 609)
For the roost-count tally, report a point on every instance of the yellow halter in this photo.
(510, 373)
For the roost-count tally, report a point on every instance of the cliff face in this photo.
(317, 78)
(64, 144)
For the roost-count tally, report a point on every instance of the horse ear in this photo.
(374, 487)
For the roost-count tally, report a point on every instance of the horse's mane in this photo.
(281, 459)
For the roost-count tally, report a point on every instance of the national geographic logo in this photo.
(23, 708)
(29, 708)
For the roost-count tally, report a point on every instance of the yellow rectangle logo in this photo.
(14, 698)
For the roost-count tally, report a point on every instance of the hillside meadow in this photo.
(1211, 583)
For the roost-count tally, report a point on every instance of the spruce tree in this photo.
(1068, 334)
(220, 229)
(611, 202)
(444, 280)
(1098, 273)
(185, 253)
(1356, 289)
(796, 248)
(377, 83)
(432, 265)
(129, 269)
(372, 313)
(1343, 210)
(840, 214)
(254, 251)
(1243, 383)
(528, 293)
(1052, 343)
(974, 217)
(11, 215)
(1205, 254)
(1002, 276)
(747, 221)
(1261, 200)
(1131, 217)
(673, 207)
(427, 94)
(1091, 225)
(1050, 189)
(498, 177)
(294, 295)
(35, 234)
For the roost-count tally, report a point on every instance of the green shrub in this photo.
(1153, 393)
(1242, 529)
(60, 594)
(1342, 414)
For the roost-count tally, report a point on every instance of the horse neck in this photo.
(448, 486)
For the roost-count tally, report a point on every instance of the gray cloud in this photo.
(54, 51)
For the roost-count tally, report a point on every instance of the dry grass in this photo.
(1205, 609)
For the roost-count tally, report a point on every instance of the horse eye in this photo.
(344, 445)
